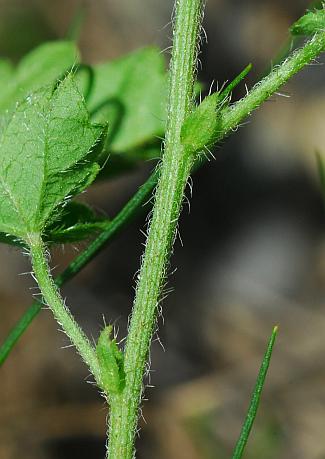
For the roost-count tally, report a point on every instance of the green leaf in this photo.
(75, 233)
(6, 71)
(255, 400)
(111, 360)
(72, 213)
(41, 67)
(46, 156)
(309, 24)
(130, 93)
(76, 222)
(200, 128)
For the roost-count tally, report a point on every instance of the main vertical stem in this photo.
(174, 172)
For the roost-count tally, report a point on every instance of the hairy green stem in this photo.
(175, 169)
(234, 114)
(61, 313)
(126, 214)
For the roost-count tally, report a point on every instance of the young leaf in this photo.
(75, 233)
(201, 126)
(74, 212)
(41, 67)
(309, 24)
(76, 223)
(45, 157)
(110, 359)
(130, 93)
(255, 400)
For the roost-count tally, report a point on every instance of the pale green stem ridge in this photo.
(61, 313)
(233, 115)
(175, 169)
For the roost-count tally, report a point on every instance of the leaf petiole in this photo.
(61, 313)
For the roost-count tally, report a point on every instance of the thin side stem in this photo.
(234, 114)
(61, 313)
(175, 169)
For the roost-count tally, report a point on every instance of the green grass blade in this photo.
(128, 212)
(255, 400)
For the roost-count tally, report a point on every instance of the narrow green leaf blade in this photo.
(255, 400)
(235, 82)
(18, 329)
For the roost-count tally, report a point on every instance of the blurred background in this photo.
(253, 256)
